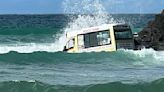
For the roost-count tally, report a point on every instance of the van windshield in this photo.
(125, 34)
(122, 32)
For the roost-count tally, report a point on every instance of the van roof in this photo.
(91, 29)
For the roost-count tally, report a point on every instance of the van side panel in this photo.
(75, 48)
(76, 44)
(113, 45)
(110, 47)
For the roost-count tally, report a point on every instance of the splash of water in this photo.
(90, 13)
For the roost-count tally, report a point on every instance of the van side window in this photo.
(97, 39)
(81, 41)
(103, 38)
(70, 44)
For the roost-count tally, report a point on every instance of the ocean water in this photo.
(31, 61)
(31, 57)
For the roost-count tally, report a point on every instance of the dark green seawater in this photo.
(30, 60)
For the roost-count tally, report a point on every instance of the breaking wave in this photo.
(35, 86)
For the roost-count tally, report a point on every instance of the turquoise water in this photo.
(30, 60)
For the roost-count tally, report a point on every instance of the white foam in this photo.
(150, 56)
(29, 48)
(31, 81)
(94, 7)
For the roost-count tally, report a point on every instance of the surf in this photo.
(36, 86)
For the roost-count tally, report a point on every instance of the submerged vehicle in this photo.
(107, 37)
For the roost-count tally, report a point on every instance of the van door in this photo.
(69, 45)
